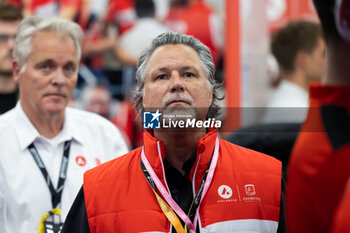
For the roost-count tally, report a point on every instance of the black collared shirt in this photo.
(180, 186)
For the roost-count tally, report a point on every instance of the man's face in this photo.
(8, 32)
(100, 102)
(316, 62)
(175, 80)
(50, 75)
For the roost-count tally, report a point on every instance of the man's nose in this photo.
(177, 83)
(11, 42)
(58, 78)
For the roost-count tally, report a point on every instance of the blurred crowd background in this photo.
(116, 31)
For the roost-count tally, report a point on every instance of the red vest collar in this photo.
(153, 147)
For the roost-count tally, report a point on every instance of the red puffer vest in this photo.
(244, 194)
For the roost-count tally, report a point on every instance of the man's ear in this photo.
(301, 59)
(16, 71)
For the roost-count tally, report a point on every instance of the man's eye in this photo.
(44, 67)
(188, 75)
(161, 77)
(69, 69)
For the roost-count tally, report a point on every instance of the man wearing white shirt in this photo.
(300, 51)
(45, 146)
(289, 104)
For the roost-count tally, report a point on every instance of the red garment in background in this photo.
(319, 165)
(71, 3)
(280, 12)
(52, 7)
(125, 118)
(35, 5)
(16, 3)
(122, 13)
(196, 20)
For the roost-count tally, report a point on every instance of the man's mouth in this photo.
(56, 95)
(174, 102)
(178, 100)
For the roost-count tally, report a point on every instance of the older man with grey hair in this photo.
(45, 146)
(184, 179)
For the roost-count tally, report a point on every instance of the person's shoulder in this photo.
(8, 132)
(6, 118)
(89, 118)
(120, 165)
(94, 128)
(253, 158)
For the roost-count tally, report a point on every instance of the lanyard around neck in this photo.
(56, 194)
(170, 205)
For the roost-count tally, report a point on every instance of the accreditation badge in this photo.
(51, 223)
(52, 226)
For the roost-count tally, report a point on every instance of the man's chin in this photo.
(55, 108)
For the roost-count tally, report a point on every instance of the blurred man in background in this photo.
(9, 21)
(97, 99)
(135, 40)
(299, 49)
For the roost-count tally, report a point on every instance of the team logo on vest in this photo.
(80, 160)
(225, 191)
(249, 189)
(151, 120)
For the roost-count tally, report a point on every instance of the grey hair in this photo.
(32, 25)
(176, 38)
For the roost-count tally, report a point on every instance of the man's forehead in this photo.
(9, 26)
(51, 45)
(52, 36)
(180, 48)
(173, 55)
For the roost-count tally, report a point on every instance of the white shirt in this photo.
(140, 36)
(24, 194)
(289, 104)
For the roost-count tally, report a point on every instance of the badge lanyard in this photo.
(169, 206)
(56, 194)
